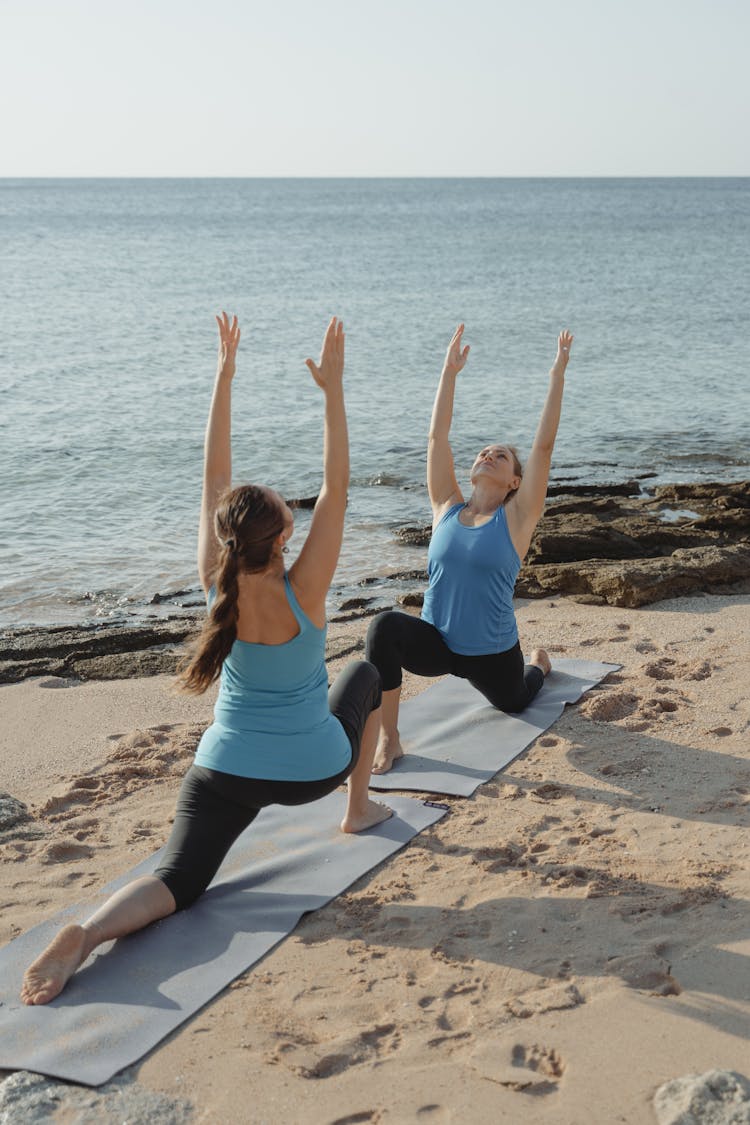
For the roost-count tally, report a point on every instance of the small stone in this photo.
(718, 1097)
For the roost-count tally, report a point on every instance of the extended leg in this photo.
(131, 908)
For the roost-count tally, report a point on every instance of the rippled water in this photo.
(107, 352)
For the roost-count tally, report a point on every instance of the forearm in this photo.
(549, 421)
(442, 409)
(217, 448)
(335, 443)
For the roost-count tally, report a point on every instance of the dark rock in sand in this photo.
(16, 822)
(94, 651)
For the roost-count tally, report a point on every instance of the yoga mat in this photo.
(133, 992)
(454, 740)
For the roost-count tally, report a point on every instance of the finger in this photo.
(465, 352)
(312, 368)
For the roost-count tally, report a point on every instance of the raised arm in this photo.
(441, 475)
(312, 573)
(524, 510)
(217, 456)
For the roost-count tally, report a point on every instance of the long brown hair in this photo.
(247, 523)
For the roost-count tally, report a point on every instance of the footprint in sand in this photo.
(549, 740)
(65, 852)
(534, 1069)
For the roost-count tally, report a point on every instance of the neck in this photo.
(484, 499)
(257, 579)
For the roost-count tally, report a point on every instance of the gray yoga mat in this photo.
(454, 740)
(133, 992)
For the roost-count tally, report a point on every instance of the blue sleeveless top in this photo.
(271, 718)
(472, 572)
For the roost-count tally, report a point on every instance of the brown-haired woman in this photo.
(279, 736)
(468, 626)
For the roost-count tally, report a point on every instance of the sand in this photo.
(561, 944)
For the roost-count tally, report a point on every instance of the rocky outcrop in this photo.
(627, 550)
(94, 652)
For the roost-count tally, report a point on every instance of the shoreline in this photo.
(612, 545)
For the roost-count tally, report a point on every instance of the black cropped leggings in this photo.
(214, 808)
(398, 640)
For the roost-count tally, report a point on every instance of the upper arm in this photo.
(523, 511)
(208, 547)
(441, 476)
(313, 570)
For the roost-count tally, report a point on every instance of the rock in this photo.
(637, 582)
(16, 822)
(354, 603)
(35, 1100)
(626, 488)
(416, 599)
(718, 1097)
(418, 535)
(94, 651)
(303, 502)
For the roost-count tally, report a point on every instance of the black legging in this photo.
(398, 640)
(214, 808)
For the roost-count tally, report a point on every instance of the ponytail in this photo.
(247, 524)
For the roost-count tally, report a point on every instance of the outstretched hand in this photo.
(564, 344)
(229, 338)
(455, 357)
(328, 372)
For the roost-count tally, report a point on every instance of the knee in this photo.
(381, 635)
(369, 683)
(186, 887)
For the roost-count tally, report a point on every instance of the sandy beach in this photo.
(556, 948)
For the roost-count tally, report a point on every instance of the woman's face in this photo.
(495, 464)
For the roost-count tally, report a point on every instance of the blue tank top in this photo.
(472, 572)
(271, 718)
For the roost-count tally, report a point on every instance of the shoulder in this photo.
(444, 513)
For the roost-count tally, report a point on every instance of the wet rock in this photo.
(416, 535)
(354, 603)
(718, 1097)
(34, 1100)
(416, 599)
(626, 488)
(303, 502)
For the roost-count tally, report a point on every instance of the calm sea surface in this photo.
(107, 353)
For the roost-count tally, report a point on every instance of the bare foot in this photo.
(541, 659)
(389, 750)
(47, 976)
(373, 813)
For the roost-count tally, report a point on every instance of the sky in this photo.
(374, 88)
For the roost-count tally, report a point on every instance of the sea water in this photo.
(108, 348)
